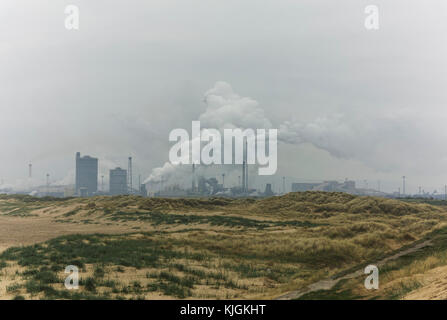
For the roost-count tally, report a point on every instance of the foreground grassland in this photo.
(143, 248)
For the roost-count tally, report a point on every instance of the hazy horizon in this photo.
(356, 104)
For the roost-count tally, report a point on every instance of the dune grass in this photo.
(222, 248)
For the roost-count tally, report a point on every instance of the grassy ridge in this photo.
(397, 277)
(215, 248)
(172, 267)
(159, 218)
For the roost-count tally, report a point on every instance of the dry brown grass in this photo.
(304, 236)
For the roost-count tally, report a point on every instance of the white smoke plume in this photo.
(225, 109)
(361, 136)
(168, 172)
(383, 141)
(21, 185)
(331, 133)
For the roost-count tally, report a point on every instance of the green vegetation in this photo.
(224, 248)
(28, 198)
(17, 209)
(72, 212)
(408, 267)
(141, 251)
(430, 201)
(158, 218)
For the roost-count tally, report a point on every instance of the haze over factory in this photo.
(202, 183)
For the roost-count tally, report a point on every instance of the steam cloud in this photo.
(361, 136)
(225, 110)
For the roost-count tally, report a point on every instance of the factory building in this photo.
(118, 181)
(301, 187)
(86, 175)
(143, 190)
(328, 186)
(268, 190)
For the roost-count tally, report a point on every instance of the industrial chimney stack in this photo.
(243, 175)
(245, 171)
(193, 186)
(246, 167)
(129, 175)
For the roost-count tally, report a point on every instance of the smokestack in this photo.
(403, 185)
(129, 175)
(243, 175)
(193, 177)
(246, 167)
(30, 170)
(246, 178)
(284, 185)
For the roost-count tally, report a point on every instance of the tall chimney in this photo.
(129, 175)
(243, 175)
(246, 167)
(193, 177)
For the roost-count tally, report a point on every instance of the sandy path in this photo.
(17, 231)
(435, 286)
(328, 284)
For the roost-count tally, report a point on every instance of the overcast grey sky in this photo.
(365, 104)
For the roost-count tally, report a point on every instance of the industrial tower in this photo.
(129, 176)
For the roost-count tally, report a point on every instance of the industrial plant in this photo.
(86, 175)
(87, 182)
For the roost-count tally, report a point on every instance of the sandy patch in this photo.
(19, 231)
